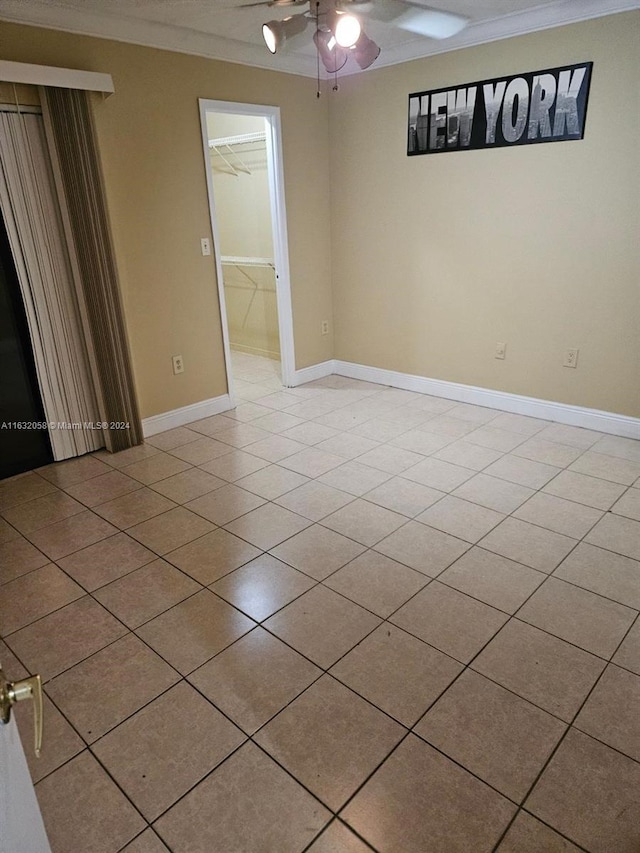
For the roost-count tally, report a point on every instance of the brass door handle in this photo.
(17, 691)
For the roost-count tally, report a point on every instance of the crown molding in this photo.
(88, 22)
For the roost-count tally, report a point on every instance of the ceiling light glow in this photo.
(269, 37)
(276, 33)
(347, 30)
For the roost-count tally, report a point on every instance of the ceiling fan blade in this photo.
(416, 18)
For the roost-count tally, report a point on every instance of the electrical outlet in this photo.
(205, 245)
(571, 358)
(501, 350)
(178, 364)
(324, 327)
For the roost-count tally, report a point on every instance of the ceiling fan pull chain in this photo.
(335, 78)
(317, 54)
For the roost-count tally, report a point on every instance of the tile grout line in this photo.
(571, 726)
(133, 630)
(346, 597)
(324, 671)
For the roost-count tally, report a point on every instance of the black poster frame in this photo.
(472, 116)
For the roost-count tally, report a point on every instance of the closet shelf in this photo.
(238, 139)
(239, 261)
(241, 264)
(230, 143)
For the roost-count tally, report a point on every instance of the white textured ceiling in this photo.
(221, 30)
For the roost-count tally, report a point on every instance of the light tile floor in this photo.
(339, 618)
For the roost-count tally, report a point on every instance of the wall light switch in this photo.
(205, 244)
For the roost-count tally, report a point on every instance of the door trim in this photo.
(275, 169)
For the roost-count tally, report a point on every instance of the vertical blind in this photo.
(33, 220)
(77, 169)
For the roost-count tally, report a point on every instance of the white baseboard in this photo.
(314, 371)
(562, 413)
(185, 415)
(579, 416)
(608, 422)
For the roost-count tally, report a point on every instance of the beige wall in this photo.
(436, 258)
(432, 259)
(243, 216)
(252, 311)
(150, 141)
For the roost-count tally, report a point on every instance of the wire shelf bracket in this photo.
(230, 143)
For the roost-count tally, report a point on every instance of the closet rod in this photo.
(238, 139)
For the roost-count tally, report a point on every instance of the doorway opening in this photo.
(24, 437)
(243, 158)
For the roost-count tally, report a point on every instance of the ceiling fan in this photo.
(339, 34)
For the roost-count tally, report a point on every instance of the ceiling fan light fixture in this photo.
(332, 55)
(365, 51)
(346, 29)
(269, 36)
(276, 33)
(338, 34)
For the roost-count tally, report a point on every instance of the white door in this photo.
(21, 826)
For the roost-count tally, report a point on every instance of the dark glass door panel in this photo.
(21, 449)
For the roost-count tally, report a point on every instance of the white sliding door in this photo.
(33, 221)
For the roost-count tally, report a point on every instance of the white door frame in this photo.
(275, 171)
